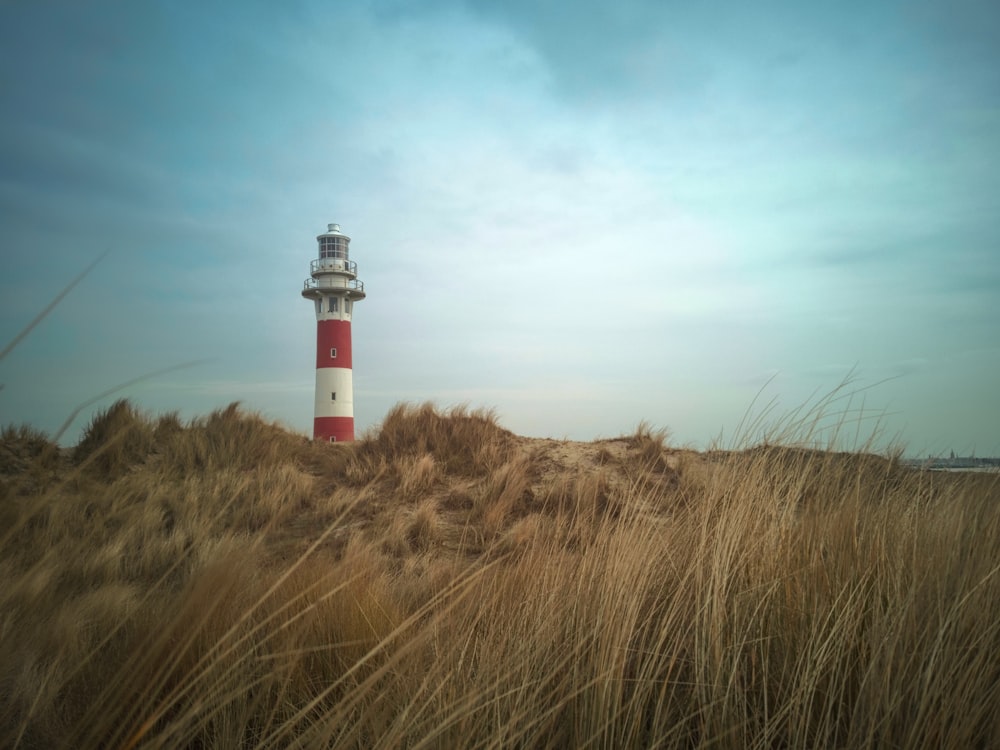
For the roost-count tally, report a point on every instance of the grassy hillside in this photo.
(445, 583)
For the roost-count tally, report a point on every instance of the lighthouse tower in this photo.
(333, 287)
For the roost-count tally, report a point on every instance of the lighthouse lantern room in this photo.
(333, 287)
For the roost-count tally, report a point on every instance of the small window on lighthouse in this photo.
(319, 306)
(333, 353)
(333, 304)
(333, 396)
(347, 306)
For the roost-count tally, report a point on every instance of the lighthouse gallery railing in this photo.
(351, 284)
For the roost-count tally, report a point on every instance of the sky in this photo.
(714, 217)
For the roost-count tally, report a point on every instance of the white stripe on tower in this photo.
(333, 288)
(333, 391)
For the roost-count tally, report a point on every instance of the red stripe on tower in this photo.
(334, 429)
(333, 287)
(333, 344)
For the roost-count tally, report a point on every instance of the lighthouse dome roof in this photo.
(332, 230)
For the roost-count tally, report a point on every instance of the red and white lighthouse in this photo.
(333, 288)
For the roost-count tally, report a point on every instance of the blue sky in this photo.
(580, 214)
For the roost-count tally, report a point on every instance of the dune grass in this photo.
(444, 583)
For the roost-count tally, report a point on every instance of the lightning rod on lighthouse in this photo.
(333, 287)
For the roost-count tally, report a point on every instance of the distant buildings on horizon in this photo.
(952, 462)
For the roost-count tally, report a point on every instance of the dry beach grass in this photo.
(445, 583)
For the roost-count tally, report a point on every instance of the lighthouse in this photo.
(333, 287)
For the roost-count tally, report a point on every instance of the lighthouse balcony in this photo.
(353, 287)
(333, 265)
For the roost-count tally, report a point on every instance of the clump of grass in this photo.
(505, 493)
(29, 463)
(115, 439)
(417, 475)
(469, 443)
(21, 446)
(586, 498)
(227, 438)
(650, 446)
(424, 530)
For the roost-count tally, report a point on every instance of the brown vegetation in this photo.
(445, 583)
